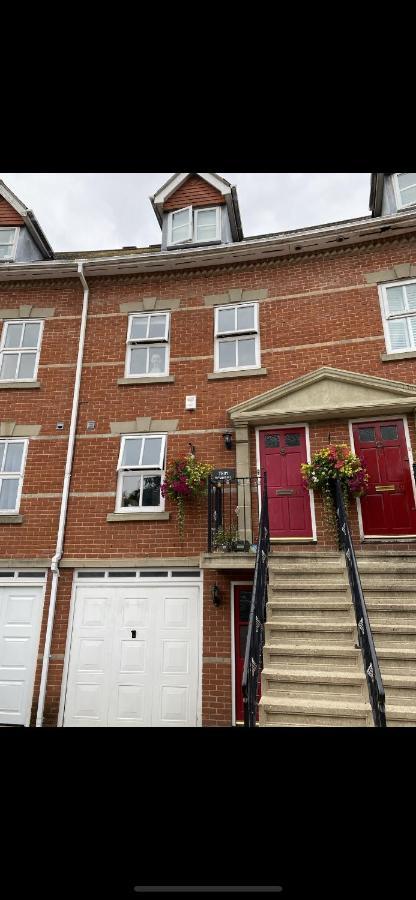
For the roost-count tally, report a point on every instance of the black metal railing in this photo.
(253, 660)
(365, 636)
(233, 517)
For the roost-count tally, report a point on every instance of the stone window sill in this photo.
(19, 384)
(11, 520)
(407, 354)
(139, 517)
(239, 373)
(157, 379)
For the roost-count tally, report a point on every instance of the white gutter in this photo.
(64, 504)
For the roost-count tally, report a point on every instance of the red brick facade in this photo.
(319, 311)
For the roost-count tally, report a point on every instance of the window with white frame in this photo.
(19, 350)
(398, 304)
(237, 344)
(148, 345)
(196, 226)
(8, 242)
(140, 470)
(405, 188)
(12, 464)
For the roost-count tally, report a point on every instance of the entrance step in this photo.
(307, 633)
(318, 657)
(287, 711)
(311, 610)
(315, 684)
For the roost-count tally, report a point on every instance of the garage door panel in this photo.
(150, 635)
(20, 614)
(89, 704)
(91, 654)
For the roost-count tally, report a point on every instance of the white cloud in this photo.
(97, 211)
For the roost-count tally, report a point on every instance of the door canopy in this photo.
(326, 393)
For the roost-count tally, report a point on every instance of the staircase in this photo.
(313, 671)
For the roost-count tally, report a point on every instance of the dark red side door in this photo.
(242, 601)
(388, 507)
(282, 452)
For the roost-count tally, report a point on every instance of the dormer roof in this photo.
(202, 189)
(19, 214)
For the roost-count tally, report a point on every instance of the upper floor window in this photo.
(405, 188)
(237, 344)
(8, 241)
(140, 471)
(19, 350)
(399, 315)
(196, 226)
(12, 463)
(148, 345)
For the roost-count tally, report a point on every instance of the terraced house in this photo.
(248, 354)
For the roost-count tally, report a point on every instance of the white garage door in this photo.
(134, 657)
(20, 615)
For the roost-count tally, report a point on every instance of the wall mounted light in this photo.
(216, 595)
(228, 440)
(191, 449)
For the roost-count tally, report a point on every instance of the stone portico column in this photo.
(242, 459)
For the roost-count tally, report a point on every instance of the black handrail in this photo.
(232, 513)
(253, 659)
(365, 636)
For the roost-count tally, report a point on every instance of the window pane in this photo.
(151, 490)
(138, 361)
(139, 327)
(245, 317)
(292, 440)
(247, 352)
(409, 195)
(2, 446)
(157, 326)
(206, 225)
(406, 179)
(411, 295)
(157, 359)
(151, 452)
(131, 490)
(9, 366)
(227, 354)
(13, 336)
(398, 335)
(367, 435)
(395, 300)
(272, 440)
(131, 452)
(8, 493)
(226, 320)
(181, 226)
(31, 335)
(14, 454)
(27, 365)
(412, 324)
(5, 252)
(7, 235)
(389, 432)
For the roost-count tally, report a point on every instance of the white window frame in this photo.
(13, 246)
(397, 193)
(222, 336)
(148, 343)
(193, 221)
(140, 469)
(388, 317)
(14, 475)
(7, 351)
(187, 240)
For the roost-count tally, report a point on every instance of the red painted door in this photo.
(388, 507)
(282, 452)
(242, 602)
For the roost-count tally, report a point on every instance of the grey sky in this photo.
(96, 211)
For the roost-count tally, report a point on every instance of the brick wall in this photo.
(194, 192)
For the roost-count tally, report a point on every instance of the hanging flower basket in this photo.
(185, 480)
(335, 461)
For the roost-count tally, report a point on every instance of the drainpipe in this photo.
(64, 504)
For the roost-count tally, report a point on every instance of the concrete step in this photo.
(307, 633)
(308, 580)
(322, 657)
(312, 591)
(315, 684)
(400, 690)
(391, 614)
(281, 711)
(401, 716)
(393, 635)
(387, 585)
(310, 610)
(396, 660)
(306, 568)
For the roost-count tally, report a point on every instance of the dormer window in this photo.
(196, 226)
(8, 242)
(405, 188)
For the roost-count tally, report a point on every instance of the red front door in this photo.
(242, 602)
(388, 507)
(282, 452)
